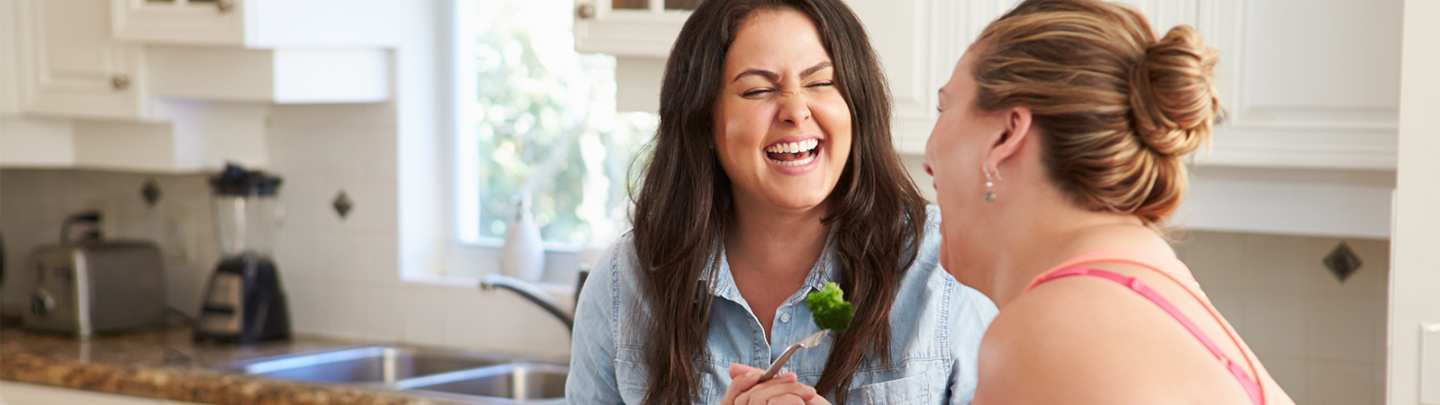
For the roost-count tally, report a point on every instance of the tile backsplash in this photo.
(1323, 340)
(340, 273)
(33, 203)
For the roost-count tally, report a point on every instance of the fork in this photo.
(806, 343)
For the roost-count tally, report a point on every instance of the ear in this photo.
(1008, 144)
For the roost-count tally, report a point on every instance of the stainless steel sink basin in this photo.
(372, 364)
(454, 375)
(522, 382)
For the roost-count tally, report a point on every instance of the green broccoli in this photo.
(830, 308)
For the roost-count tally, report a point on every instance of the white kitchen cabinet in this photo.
(69, 66)
(918, 42)
(9, 68)
(276, 76)
(13, 393)
(1307, 83)
(259, 24)
(630, 27)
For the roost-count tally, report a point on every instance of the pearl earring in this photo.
(990, 184)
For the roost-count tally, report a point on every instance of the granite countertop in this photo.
(168, 364)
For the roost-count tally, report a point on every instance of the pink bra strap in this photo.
(1251, 386)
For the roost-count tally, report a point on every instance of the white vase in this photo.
(523, 256)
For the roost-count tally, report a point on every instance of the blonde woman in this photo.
(1057, 157)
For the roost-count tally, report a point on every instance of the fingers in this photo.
(740, 383)
(776, 390)
(785, 400)
(737, 369)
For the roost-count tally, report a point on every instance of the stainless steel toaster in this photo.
(94, 287)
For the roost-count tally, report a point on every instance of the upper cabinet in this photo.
(630, 27)
(259, 24)
(68, 65)
(1305, 84)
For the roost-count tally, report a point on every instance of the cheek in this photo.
(833, 115)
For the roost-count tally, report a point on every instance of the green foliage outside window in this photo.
(546, 125)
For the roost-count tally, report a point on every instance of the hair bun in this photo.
(1172, 93)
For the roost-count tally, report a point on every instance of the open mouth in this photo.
(798, 153)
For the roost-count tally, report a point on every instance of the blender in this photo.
(243, 301)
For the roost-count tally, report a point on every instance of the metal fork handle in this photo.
(775, 368)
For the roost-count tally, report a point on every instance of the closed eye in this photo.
(755, 92)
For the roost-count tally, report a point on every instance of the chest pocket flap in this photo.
(905, 391)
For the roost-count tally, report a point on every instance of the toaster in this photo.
(94, 286)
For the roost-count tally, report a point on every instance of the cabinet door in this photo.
(180, 21)
(9, 69)
(630, 27)
(260, 24)
(1307, 83)
(70, 66)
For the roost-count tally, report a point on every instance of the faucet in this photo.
(530, 292)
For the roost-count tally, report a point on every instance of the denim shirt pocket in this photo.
(912, 389)
(633, 379)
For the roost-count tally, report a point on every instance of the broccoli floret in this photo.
(830, 309)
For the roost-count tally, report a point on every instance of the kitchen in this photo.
(370, 250)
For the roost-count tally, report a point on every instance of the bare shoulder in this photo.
(1074, 341)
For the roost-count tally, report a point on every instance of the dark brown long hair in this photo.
(681, 208)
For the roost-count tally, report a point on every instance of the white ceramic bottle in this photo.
(523, 256)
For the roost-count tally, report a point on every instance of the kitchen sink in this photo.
(524, 382)
(372, 364)
(455, 375)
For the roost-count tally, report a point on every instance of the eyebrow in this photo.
(772, 76)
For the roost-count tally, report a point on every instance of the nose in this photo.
(794, 108)
(928, 170)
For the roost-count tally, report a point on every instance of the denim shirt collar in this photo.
(826, 270)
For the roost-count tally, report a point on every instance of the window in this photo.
(537, 118)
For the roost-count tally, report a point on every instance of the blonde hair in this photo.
(1118, 110)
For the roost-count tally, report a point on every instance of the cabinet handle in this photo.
(224, 6)
(585, 11)
(119, 81)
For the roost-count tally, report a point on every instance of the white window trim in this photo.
(428, 92)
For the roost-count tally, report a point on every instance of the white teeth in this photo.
(800, 162)
(794, 147)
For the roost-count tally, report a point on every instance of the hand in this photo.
(784, 389)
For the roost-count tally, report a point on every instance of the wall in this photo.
(343, 274)
(33, 203)
(1323, 340)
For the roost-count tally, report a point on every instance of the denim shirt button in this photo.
(784, 318)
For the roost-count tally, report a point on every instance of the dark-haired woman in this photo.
(1058, 156)
(773, 173)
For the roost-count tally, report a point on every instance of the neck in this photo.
(779, 242)
(1039, 240)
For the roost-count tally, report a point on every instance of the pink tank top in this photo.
(1154, 262)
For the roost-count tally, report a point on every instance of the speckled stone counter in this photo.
(167, 364)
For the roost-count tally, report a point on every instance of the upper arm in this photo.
(1057, 347)
(592, 348)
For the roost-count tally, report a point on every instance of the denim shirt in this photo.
(936, 325)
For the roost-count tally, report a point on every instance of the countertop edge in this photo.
(188, 385)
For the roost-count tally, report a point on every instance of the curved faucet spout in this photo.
(545, 301)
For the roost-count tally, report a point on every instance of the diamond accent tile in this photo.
(1342, 262)
(150, 192)
(343, 204)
